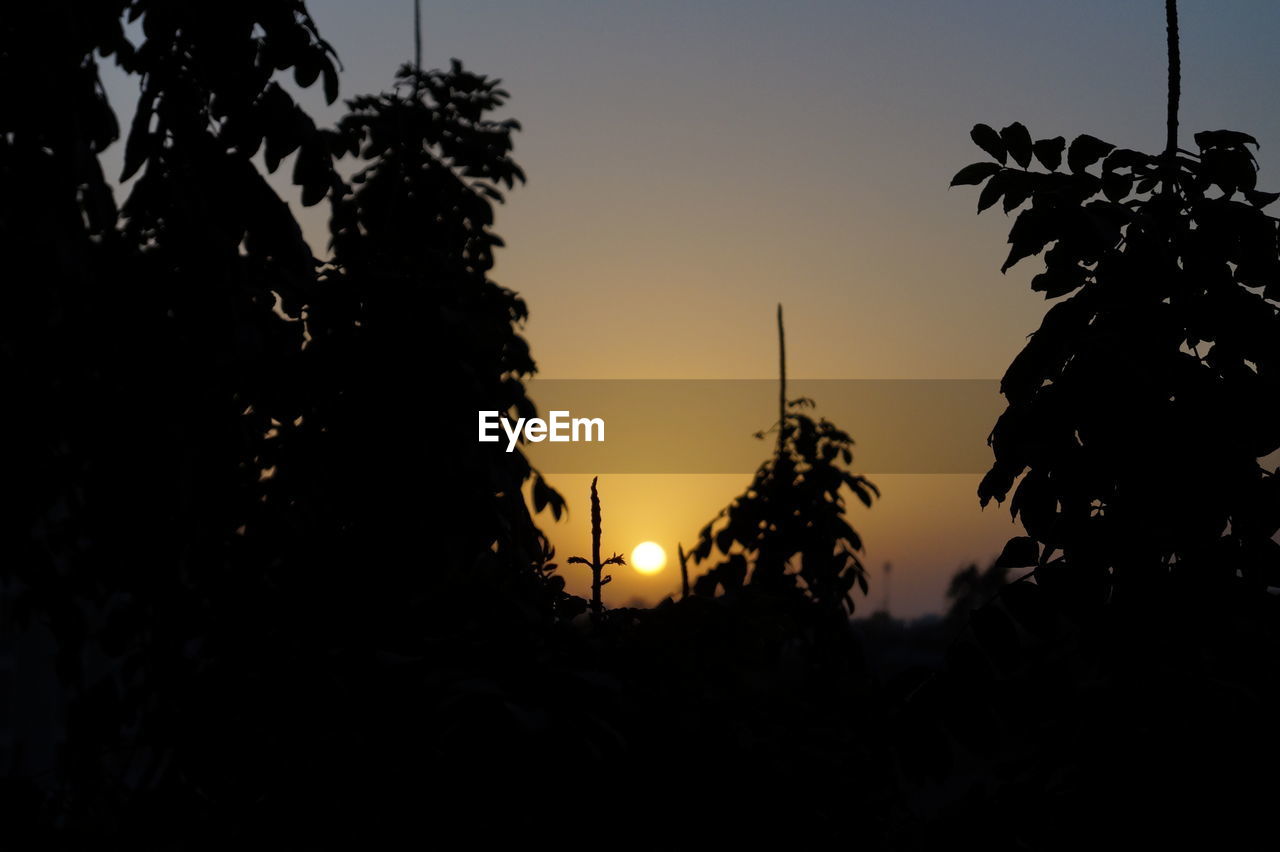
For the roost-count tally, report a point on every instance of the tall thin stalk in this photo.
(598, 580)
(417, 36)
(1175, 93)
(782, 381)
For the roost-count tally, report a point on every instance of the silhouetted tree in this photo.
(1139, 410)
(144, 345)
(786, 535)
(1137, 659)
(240, 479)
(409, 337)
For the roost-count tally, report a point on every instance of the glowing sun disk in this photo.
(648, 557)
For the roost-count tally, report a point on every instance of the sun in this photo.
(648, 557)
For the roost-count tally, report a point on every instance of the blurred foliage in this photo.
(971, 588)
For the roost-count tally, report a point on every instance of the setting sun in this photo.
(648, 557)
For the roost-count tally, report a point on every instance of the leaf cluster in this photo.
(787, 534)
(1140, 408)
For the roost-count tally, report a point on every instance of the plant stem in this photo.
(417, 36)
(782, 381)
(596, 567)
(1175, 92)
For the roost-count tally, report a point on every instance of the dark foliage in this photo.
(142, 346)
(786, 535)
(405, 330)
(236, 519)
(1139, 410)
(292, 603)
(1118, 692)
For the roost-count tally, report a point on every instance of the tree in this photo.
(1139, 410)
(407, 334)
(786, 535)
(145, 341)
(226, 448)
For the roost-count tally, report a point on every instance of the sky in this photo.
(691, 164)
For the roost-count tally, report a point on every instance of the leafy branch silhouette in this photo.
(791, 515)
(1139, 410)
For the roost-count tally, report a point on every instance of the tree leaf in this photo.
(1116, 187)
(1019, 552)
(306, 69)
(1124, 158)
(991, 192)
(330, 75)
(1049, 152)
(1031, 232)
(1043, 356)
(1058, 282)
(1260, 199)
(1224, 139)
(1017, 142)
(974, 174)
(1036, 504)
(996, 483)
(986, 138)
(1018, 187)
(1086, 150)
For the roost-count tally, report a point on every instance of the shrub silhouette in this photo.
(786, 535)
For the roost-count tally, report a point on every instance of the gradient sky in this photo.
(692, 163)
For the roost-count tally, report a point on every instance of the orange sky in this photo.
(924, 525)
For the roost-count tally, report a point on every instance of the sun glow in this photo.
(648, 557)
